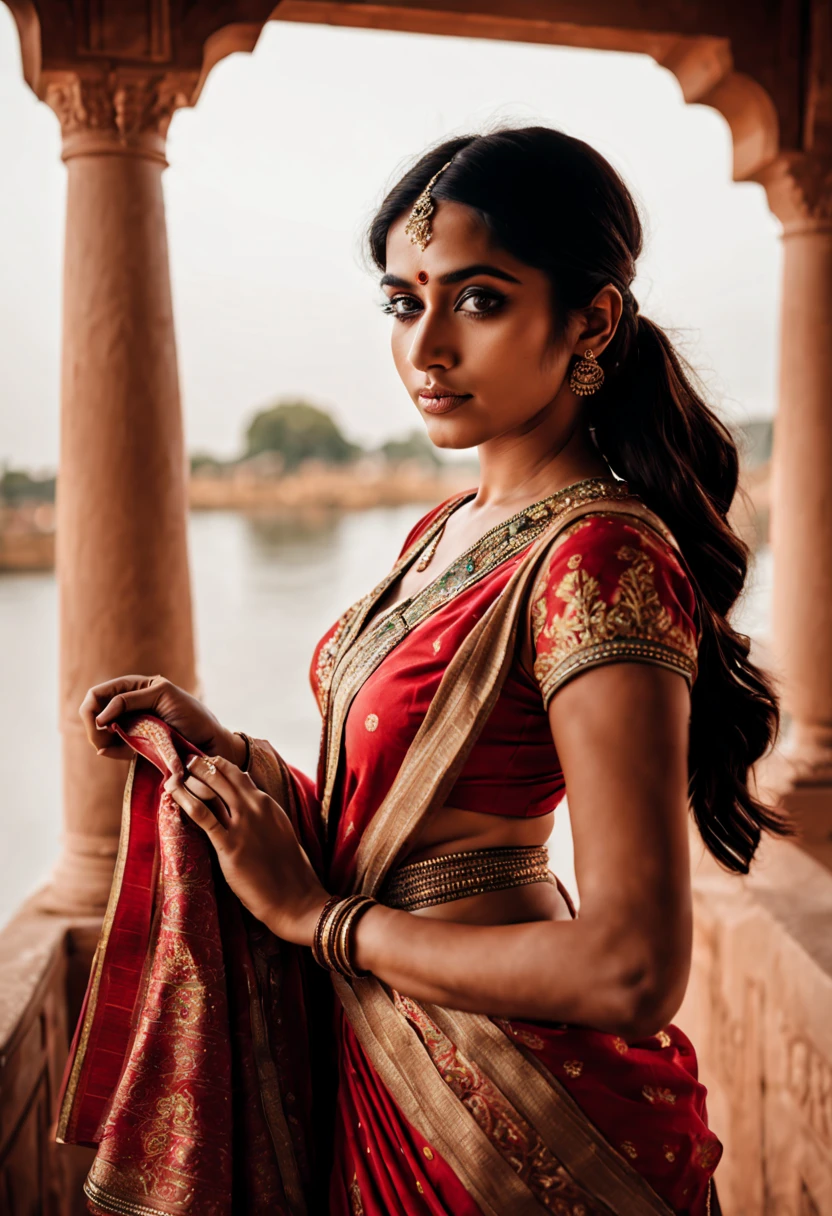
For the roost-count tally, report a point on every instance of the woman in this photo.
(562, 627)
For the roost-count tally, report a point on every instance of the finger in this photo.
(128, 702)
(199, 813)
(207, 795)
(91, 706)
(115, 749)
(224, 779)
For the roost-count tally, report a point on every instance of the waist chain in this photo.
(439, 880)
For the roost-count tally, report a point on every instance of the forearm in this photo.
(560, 971)
(232, 746)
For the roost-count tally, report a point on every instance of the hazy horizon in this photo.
(274, 174)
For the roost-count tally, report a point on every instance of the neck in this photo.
(518, 469)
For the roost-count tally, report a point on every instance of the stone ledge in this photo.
(758, 1011)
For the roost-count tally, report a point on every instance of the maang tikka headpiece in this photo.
(418, 224)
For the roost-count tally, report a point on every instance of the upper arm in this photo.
(615, 639)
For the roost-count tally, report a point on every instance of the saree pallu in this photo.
(204, 1065)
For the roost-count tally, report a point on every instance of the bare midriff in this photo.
(452, 830)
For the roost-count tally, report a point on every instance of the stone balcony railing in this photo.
(758, 1009)
(44, 962)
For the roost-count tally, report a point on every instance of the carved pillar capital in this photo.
(125, 111)
(799, 189)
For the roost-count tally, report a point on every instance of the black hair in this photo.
(556, 204)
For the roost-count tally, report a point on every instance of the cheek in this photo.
(518, 352)
(400, 347)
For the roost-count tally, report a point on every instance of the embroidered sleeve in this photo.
(613, 590)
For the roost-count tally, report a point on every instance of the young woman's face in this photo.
(472, 344)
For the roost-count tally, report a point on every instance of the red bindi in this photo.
(422, 276)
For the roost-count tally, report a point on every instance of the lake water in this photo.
(265, 590)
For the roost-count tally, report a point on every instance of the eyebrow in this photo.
(456, 276)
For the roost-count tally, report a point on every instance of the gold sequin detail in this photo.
(420, 1188)
(630, 1149)
(371, 722)
(620, 1046)
(356, 1202)
(669, 1153)
(664, 1038)
(573, 1068)
(706, 1153)
(428, 1153)
(437, 646)
(655, 1093)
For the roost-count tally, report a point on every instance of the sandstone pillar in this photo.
(122, 554)
(800, 193)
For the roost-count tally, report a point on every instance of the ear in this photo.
(601, 320)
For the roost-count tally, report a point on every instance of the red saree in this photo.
(209, 1053)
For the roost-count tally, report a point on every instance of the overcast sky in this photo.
(274, 173)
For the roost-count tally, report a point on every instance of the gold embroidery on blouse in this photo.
(589, 631)
(664, 1038)
(629, 1148)
(371, 722)
(620, 1045)
(573, 1068)
(359, 652)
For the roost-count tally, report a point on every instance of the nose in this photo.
(430, 343)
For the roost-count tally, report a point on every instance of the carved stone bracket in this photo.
(122, 111)
(799, 189)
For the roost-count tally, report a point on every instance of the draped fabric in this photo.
(213, 1068)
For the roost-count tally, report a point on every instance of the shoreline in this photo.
(27, 535)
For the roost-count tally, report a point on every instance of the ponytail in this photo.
(655, 431)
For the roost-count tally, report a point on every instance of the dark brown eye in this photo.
(401, 307)
(479, 303)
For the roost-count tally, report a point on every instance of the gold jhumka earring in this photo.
(587, 375)
(418, 224)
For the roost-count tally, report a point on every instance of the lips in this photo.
(440, 400)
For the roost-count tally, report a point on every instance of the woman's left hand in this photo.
(256, 845)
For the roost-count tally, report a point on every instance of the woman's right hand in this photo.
(106, 702)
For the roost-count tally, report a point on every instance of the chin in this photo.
(454, 433)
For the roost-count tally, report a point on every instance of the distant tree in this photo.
(298, 431)
(204, 461)
(18, 486)
(415, 446)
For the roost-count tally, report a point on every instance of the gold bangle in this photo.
(332, 939)
(345, 937)
(244, 767)
(318, 936)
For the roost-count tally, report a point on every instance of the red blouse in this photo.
(612, 591)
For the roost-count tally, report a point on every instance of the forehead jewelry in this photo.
(418, 224)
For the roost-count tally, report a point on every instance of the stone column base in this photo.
(804, 792)
(81, 881)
